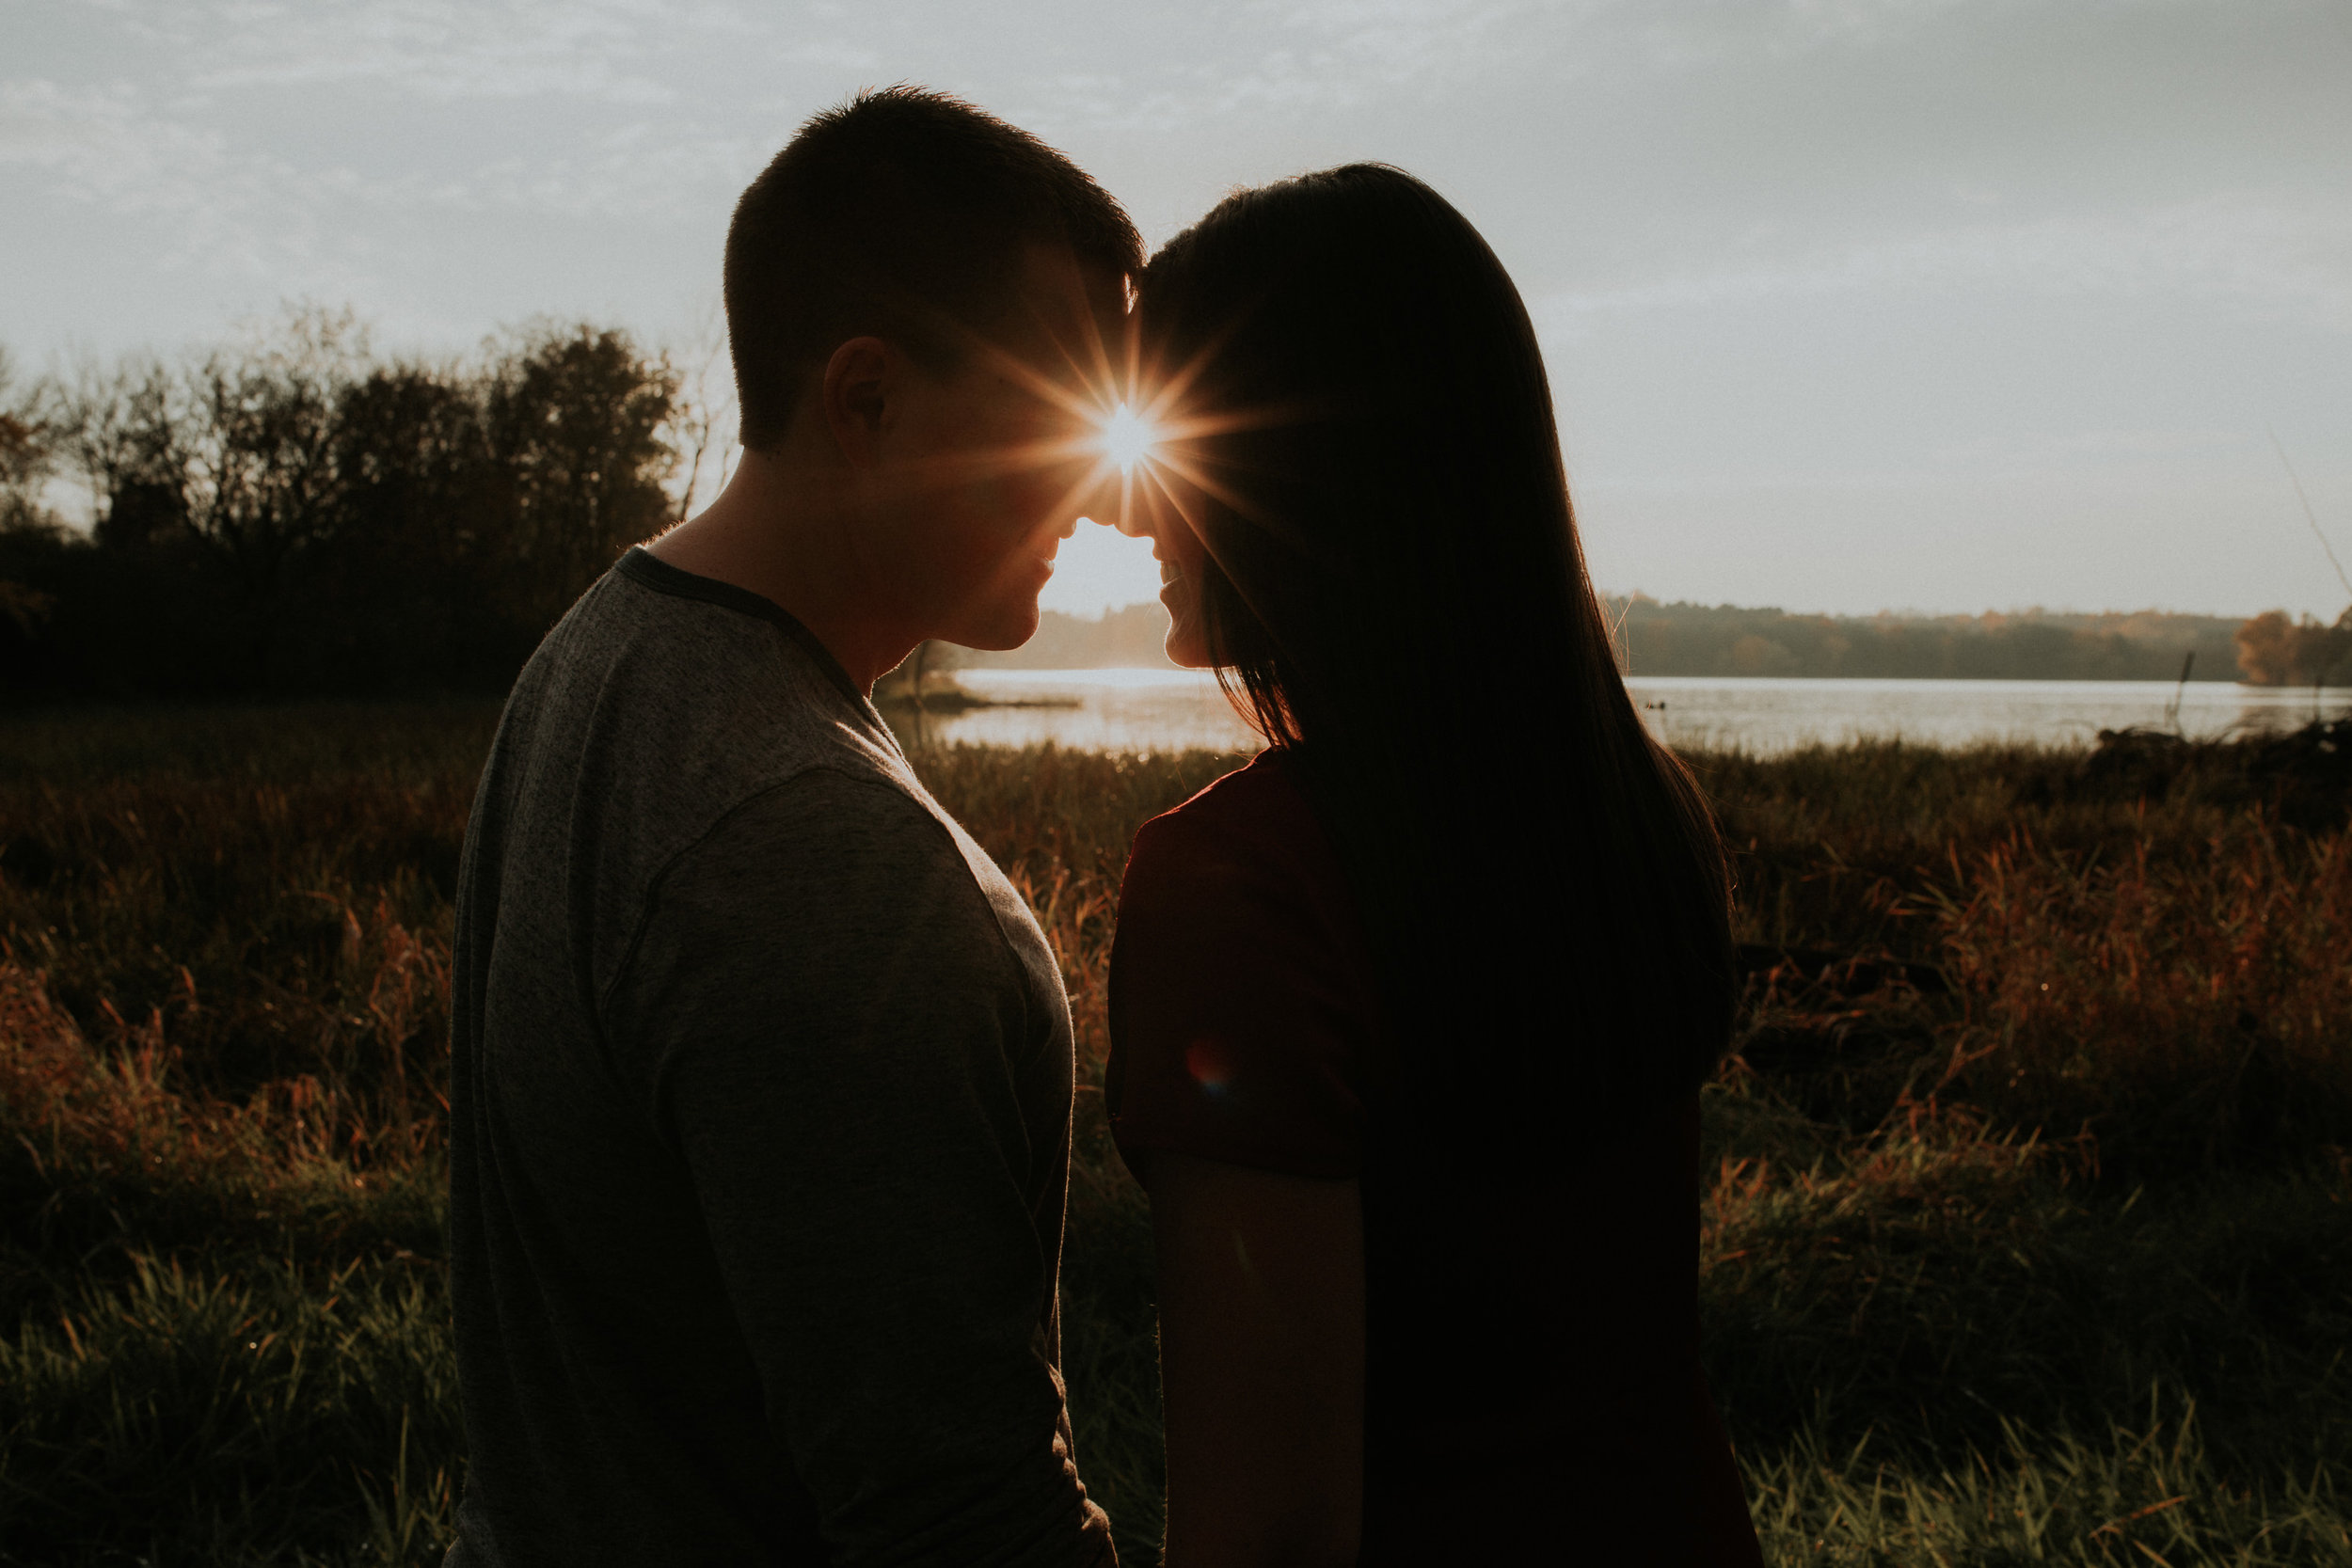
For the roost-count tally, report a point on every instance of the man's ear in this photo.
(860, 397)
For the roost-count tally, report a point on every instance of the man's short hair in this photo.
(904, 214)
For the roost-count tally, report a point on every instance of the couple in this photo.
(762, 1077)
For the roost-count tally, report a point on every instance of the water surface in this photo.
(1140, 710)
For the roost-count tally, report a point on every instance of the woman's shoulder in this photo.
(1239, 997)
(1262, 804)
(1246, 867)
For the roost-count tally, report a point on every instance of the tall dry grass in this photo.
(2187, 1009)
(1962, 1231)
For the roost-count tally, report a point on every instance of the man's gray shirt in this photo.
(759, 1123)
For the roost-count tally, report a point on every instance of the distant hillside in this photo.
(1683, 638)
(1126, 638)
(1725, 640)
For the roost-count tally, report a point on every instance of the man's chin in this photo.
(1000, 629)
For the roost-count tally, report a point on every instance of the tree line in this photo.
(1656, 639)
(298, 515)
(1683, 638)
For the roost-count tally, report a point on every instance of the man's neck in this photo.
(778, 533)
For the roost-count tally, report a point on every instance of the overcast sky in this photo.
(1850, 305)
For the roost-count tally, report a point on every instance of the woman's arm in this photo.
(1262, 1360)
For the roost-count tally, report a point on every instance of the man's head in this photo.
(936, 293)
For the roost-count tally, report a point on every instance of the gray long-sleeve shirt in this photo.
(759, 1124)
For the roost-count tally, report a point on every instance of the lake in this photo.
(1141, 710)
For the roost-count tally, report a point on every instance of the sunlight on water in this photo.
(1100, 710)
(1765, 715)
(1165, 709)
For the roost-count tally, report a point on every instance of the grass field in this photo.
(2029, 1238)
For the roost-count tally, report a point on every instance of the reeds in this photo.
(1961, 1233)
(2190, 1010)
(2131, 1496)
(233, 1408)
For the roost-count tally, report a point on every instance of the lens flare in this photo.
(1127, 437)
(1210, 1066)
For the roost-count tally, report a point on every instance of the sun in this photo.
(1127, 437)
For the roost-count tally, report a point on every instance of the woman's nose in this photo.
(1141, 513)
(1117, 506)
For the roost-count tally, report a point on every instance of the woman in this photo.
(1409, 1016)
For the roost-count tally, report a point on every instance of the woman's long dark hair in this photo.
(1396, 587)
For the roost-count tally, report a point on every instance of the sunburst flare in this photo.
(1128, 438)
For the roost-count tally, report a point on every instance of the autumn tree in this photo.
(2275, 650)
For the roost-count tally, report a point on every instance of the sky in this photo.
(1849, 305)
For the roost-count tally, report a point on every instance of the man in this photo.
(762, 1074)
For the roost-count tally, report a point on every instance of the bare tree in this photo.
(262, 479)
(27, 454)
(124, 430)
(702, 427)
(26, 457)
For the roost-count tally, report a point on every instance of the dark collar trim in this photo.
(648, 570)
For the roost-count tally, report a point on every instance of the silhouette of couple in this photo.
(763, 1071)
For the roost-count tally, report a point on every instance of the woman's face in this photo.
(1168, 511)
(1158, 501)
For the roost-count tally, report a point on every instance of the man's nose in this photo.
(1125, 515)
(1102, 504)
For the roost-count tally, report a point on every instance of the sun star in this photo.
(1127, 437)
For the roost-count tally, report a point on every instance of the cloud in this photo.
(443, 50)
(102, 146)
(1695, 34)
(1279, 62)
(2268, 258)
(636, 174)
(258, 214)
(210, 139)
(2146, 455)
(100, 138)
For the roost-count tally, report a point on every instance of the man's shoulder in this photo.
(844, 832)
(704, 687)
(834, 807)
(819, 894)
(824, 846)
(647, 629)
(648, 719)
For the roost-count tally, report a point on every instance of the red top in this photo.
(1239, 986)
(1242, 995)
